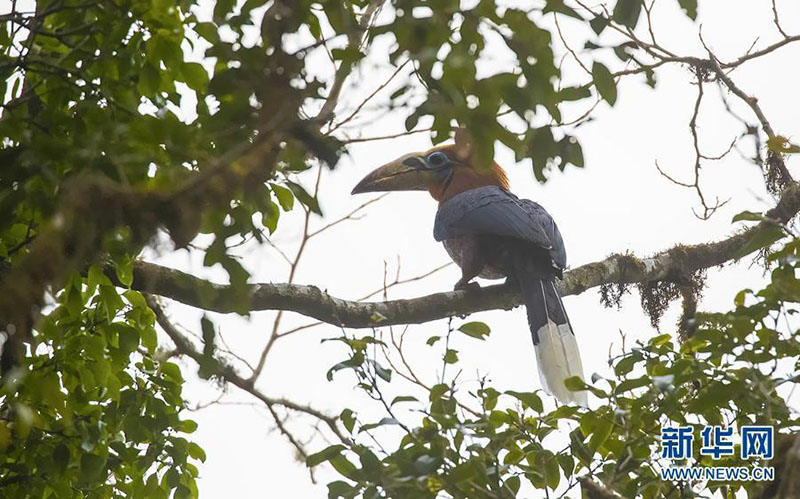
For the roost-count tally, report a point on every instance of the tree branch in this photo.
(671, 264)
(355, 39)
(184, 347)
(595, 490)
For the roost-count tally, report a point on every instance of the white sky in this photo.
(617, 203)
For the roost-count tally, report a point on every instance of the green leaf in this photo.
(513, 483)
(194, 75)
(123, 268)
(604, 81)
(570, 151)
(631, 384)
(781, 145)
(304, 197)
(689, 8)
(324, 455)
(96, 277)
(270, 216)
(477, 330)
(149, 339)
(209, 334)
(450, 356)
(110, 301)
(559, 7)
(579, 448)
(61, 457)
(348, 419)
(187, 426)
(339, 488)
(626, 12)
(196, 452)
(661, 339)
(382, 422)
(749, 216)
(403, 398)
(575, 384)
(128, 338)
(528, 399)
(222, 8)
(149, 80)
(600, 433)
(348, 55)
(172, 371)
(356, 360)
(344, 466)
(574, 93)
(598, 24)
(284, 195)
(625, 365)
(760, 239)
(207, 30)
(92, 466)
(567, 463)
(552, 474)
(383, 373)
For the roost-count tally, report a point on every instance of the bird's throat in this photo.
(467, 178)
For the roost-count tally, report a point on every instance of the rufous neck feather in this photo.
(465, 178)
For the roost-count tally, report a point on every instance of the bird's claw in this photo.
(466, 286)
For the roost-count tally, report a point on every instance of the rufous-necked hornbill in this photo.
(491, 233)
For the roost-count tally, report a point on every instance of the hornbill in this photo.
(491, 233)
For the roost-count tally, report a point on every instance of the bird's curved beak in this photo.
(403, 174)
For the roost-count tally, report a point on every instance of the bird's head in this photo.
(444, 171)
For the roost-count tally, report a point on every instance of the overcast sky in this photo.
(618, 203)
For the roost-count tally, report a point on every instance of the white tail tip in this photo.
(558, 358)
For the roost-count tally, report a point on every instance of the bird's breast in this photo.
(456, 248)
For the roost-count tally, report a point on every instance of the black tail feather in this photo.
(556, 348)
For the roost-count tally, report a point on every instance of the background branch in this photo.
(184, 347)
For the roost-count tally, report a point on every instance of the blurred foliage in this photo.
(97, 413)
(150, 95)
(458, 441)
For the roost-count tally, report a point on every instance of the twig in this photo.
(354, 41)
(396, 282)
(292, 271)
(385, 137)
(369, 97)
(184, 346)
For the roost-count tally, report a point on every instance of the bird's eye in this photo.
(437, 159)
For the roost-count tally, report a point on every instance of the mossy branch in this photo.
(670, 265)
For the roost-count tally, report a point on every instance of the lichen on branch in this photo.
(673, 265)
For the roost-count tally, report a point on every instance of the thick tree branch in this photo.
(671, 264)
(74, 235)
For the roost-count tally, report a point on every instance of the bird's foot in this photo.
(466, 286)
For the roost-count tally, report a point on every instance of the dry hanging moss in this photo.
(611, 294)
(773, 174)
(656, 296)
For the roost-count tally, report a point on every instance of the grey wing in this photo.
(558, 251)
(491, 211)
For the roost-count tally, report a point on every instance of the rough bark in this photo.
(672, 264)
(93, 205)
